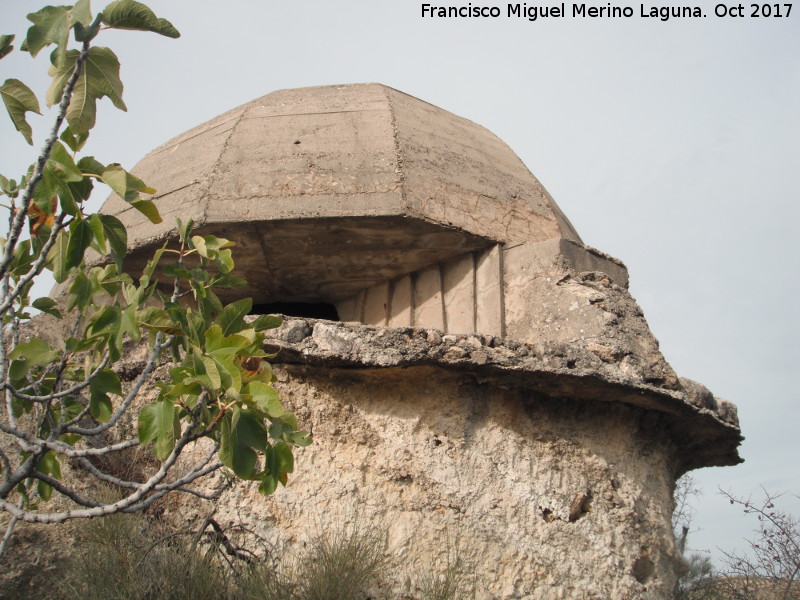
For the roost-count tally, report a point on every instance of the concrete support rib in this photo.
(489, 292)
(462, 295)
(551, 292)
(376, 303)
(458, 282)
(428, 298)
(400, 303)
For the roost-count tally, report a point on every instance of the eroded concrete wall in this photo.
(550, 470)
(543, 498)
(557, 291)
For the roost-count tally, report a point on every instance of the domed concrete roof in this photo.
(328, 190)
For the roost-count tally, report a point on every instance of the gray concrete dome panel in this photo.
(359, 153)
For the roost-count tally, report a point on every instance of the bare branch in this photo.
(65, 491)
(71, 391)
(774, 556)
(136, 501)
(31, 441)
(178, 485)
(22, 212)
(12, 523)
(78, 418)
(152, 361)
(6, 463)
(12, 420)
(20, 474)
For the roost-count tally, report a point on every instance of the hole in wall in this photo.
(580, 505)
(307, 310)
(643, 568)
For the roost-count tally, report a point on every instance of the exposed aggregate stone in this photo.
(707, 426)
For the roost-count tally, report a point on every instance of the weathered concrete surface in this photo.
(707, 427)
(549, 470)
(330, 190)
(458, 294)
(489, 317)
(549, 297)
(556, 291)
(543, 499)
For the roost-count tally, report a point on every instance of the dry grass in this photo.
(136, 557)
(130, 557)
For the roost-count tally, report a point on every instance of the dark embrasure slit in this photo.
(308, 310)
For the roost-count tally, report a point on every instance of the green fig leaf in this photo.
(6, 45)
(19, 99)
(128, 14)
(99, 78)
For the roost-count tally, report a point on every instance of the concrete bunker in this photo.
(490, 377)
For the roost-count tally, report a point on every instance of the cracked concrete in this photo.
(708, 427)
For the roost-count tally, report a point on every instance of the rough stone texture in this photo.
(497, 470)
(706, 427)
(547, 298)
(551, 470)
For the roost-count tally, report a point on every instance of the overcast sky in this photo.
(672, 145)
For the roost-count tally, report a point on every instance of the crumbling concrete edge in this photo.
(705, 428)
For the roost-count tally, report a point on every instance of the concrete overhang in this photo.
(704, 429)
(328, 190)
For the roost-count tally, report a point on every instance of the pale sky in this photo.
(673, 146)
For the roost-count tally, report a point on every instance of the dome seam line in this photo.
(397, 150)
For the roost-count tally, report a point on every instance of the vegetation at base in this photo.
(137, 557)
(454, 583)
(336, 565)
(130, 557)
